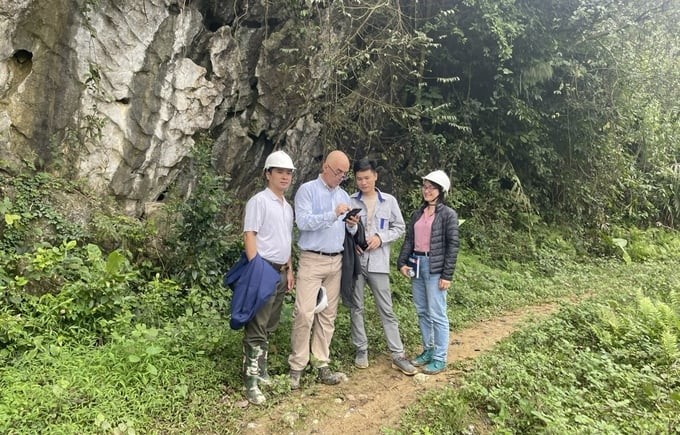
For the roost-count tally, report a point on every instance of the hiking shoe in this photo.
(361, 359)
(326, 376)
(295, 376)
(403, 364)
(434, 367)
(424, 358)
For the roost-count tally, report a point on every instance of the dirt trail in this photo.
(376, 397)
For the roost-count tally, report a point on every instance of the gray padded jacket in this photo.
(443, 241)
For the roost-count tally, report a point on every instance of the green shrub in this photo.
(201, 244)
(65, 291)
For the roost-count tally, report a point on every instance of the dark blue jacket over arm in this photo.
(253, 283)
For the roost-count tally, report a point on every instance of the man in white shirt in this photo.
(268, 232)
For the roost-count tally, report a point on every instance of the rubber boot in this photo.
(251, 375)
(263, 374)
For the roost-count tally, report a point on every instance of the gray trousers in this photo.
(380, 286)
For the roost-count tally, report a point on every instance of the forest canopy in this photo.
(564, 110)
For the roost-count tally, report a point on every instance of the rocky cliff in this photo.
(115, 91)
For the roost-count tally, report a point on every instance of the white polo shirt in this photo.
(271, 218)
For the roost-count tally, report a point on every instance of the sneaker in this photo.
(295, 379)
(424, 358)
(326, 376)
(403, 364)
(434, 367)
(361, 359)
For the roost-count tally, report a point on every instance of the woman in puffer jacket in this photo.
(428, 257)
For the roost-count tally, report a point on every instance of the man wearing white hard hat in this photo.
(428, 257)
(268, 232)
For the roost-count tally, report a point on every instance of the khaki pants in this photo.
(314, 271)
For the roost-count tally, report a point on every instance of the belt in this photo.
(327, 254)
(278, 267)
(421, 254)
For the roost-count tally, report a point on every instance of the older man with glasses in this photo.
(320, 206)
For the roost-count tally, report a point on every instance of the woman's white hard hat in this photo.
(439, 177)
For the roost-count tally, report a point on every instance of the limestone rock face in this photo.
(115, 91)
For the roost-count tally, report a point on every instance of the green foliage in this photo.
(607, 365)
(353, 84)
(112, 230)
(144, 381)
(632, 244)
(159, 300)
(64, 293)
(202, 242)
(432, 420)
(137, 355)
(540, 111)
(31, 213)
(42, 208)
(557, 111)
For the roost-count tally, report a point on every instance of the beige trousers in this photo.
(314, 271)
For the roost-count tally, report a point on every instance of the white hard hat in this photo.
(321, 300)
(440, 178)
(278, 159)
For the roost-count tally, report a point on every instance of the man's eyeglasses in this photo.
(428, 187)
(338, 173)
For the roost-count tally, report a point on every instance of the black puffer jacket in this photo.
(443, 241)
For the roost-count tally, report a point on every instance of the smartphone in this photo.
(351, 213)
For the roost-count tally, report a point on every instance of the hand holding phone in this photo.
(351, 213)
(414, 264)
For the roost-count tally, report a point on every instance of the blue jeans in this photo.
(430, 302)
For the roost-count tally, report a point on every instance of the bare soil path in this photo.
(376, 397)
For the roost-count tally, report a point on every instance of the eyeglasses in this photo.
(337, 172)
(428, 187)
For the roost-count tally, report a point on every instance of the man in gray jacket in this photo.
(384, 224)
